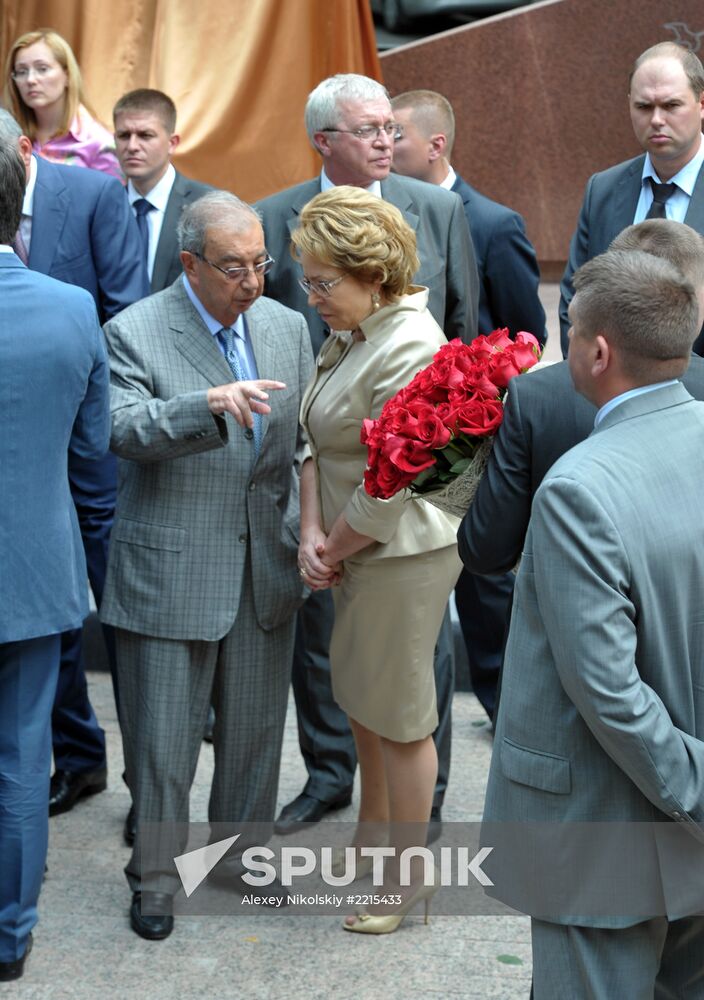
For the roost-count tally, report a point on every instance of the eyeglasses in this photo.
(240, 273)
(370, 133)
(321, 287)
(23, 73)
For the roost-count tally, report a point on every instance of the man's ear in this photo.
(188, 262)
(24, 145)
(322, 143)
(437, 145)
(602, 357)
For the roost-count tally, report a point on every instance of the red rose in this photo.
(479, 417)
(408, 455)
(387, 479)
(526, 350)
(432, 431)
(502, 369)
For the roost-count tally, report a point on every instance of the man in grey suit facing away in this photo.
(203, 583)
(666, 100)
(145, 139)
(349, 121)
(601, 715)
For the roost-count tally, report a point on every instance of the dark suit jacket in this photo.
(167, 263)
(508, 270)
(84, 233)
(447, 261)
(610, 202)
(544, 417)
(54, 401)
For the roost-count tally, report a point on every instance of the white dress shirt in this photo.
(158, 197)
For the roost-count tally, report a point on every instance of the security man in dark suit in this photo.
(508, 297)
(145, 138)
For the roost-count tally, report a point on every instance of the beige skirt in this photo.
(388, 614)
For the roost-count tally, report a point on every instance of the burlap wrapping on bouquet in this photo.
(456, 498)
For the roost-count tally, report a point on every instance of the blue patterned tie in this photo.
(143, 207)
(228, 338)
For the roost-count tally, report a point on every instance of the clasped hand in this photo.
(317, 570)
(242, 399)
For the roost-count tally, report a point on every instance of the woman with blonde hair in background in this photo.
(44, 91)
(391, 563)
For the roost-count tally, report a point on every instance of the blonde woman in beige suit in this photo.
(392, 563)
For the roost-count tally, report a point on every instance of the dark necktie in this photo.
(143, 207)
(20, 247)
(661, 192)
(228, 338)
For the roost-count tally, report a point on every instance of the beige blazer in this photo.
(353, 380)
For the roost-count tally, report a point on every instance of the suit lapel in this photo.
(393, 191)
(166, 247)
(695, 211)
(49, 211)
(264, 343)
(625, 200)
(193, 339)
(307, 191)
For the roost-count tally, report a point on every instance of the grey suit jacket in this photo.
(192, 513)
(167, 263)
(544, 417)
(602, 707)
(447, 261)
(609, 205)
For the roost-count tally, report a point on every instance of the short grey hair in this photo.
(9, 127)
(645, 305)
(322, 106)
(215, 209)
(673, 241)
(13, 179)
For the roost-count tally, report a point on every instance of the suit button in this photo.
(242, 539)
(248, 433)
(252, 487)
(677, 815)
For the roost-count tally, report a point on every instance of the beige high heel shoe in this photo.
(372, 923)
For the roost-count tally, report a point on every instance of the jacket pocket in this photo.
(541, 770)
(151, 536)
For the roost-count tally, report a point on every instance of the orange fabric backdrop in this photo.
(239, 72)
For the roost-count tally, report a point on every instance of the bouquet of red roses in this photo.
(434, 436)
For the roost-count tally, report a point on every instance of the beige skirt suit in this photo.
(392, 598)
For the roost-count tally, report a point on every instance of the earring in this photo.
(376, 301)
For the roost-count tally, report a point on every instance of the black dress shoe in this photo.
(129, 831)
(15, 970)
(154, 926)
(305, 809)
(67, 787)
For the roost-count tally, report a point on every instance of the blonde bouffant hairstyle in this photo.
(360, 234)
(74, 95)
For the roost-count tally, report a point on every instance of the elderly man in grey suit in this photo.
(601, 711)
(202, 583)
(666, 102)
(145, 139)
(350, 123)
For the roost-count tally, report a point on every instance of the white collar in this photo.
(326, 184)
(28, 203)
(158, 196)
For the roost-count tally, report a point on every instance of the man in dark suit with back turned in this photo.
(54, 404)
(667, 181)
(77, 227)
(544, 417)
(508, 297)
(145, 138)
(349, 122)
